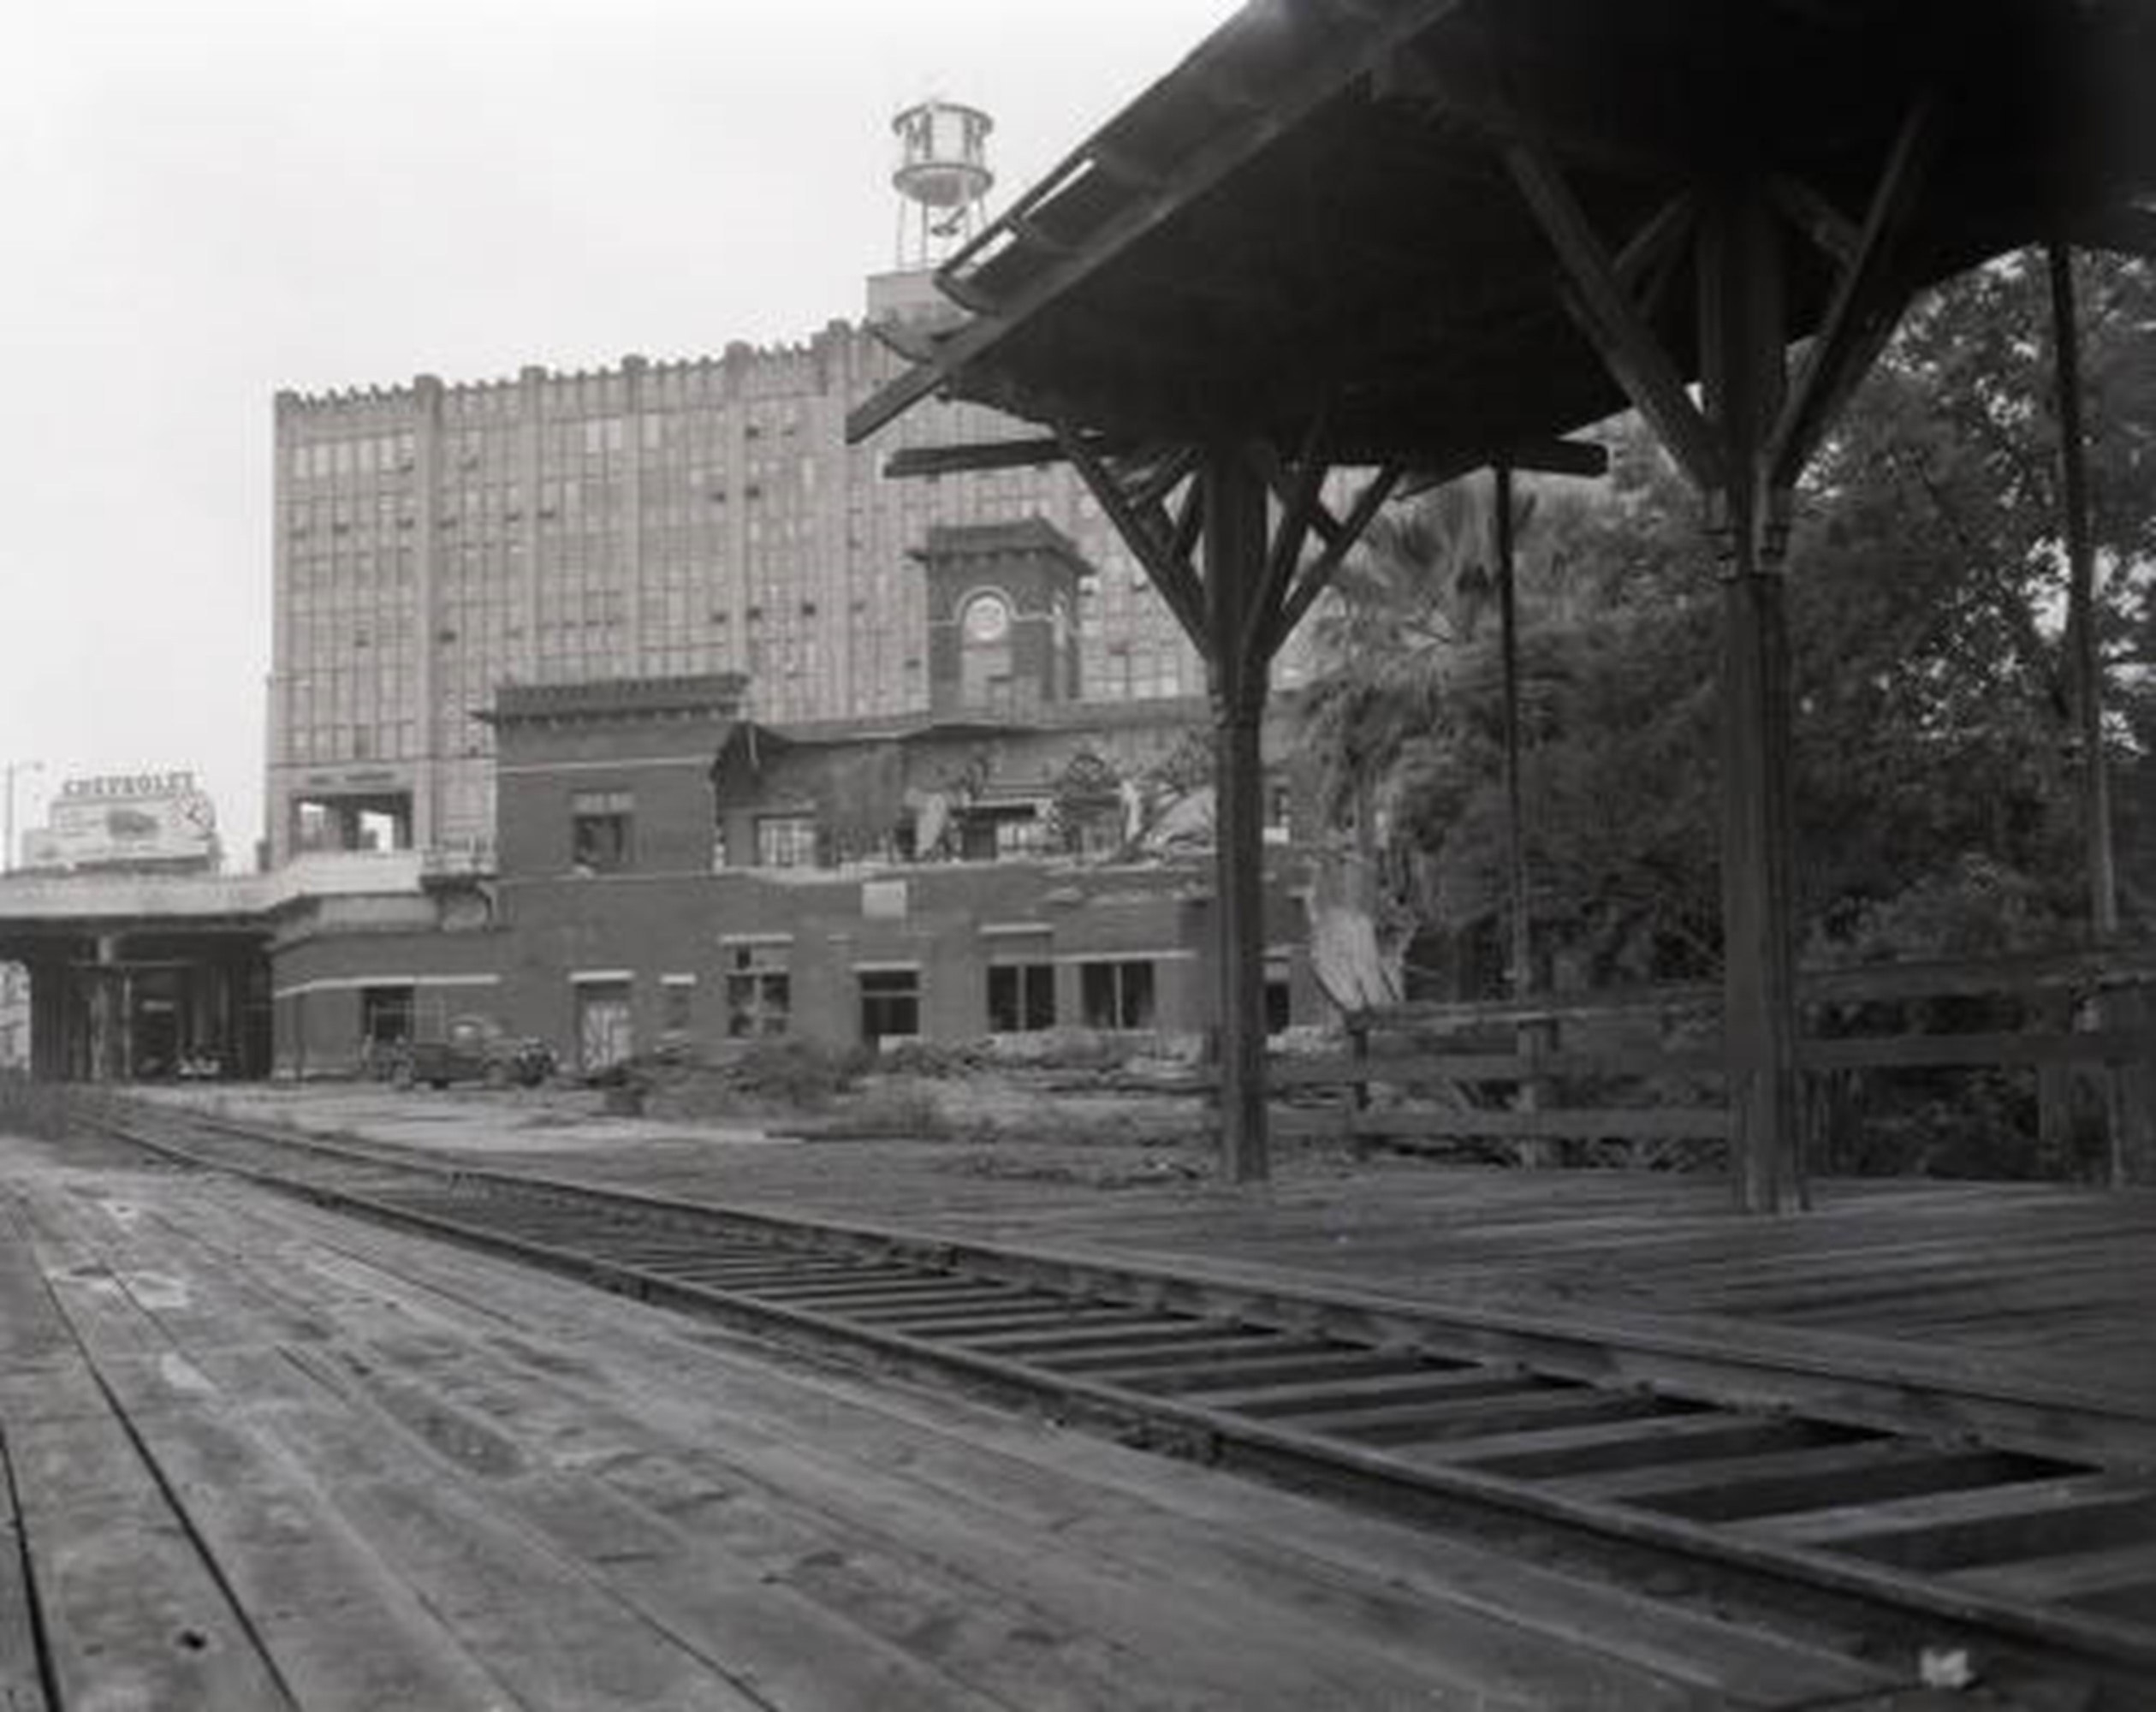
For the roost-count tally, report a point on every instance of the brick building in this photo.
(672, 871)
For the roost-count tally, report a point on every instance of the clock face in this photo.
(988, 618)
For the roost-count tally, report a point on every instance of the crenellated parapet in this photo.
(827, 359)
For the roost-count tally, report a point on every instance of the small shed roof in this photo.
(1316, 206)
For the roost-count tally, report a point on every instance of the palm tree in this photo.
(1404, 689)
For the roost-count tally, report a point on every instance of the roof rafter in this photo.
(1339, 536)
(1604, 309)
(1868, 301)
(1235, 142)
(1168, 567)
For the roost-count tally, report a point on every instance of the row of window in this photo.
(602, 828)
(1020, 998)
(759, 1003)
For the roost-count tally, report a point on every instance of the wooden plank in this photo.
(2031, 1519)
(2072, 1577)
(125, 1598)
(334, 1624)
(132, 1611)
(571, 1597)
(1050, 1317)
(341, 1626)
(973, 1628)
(1288, 1370)
(1700, 1123)
(549, 1626)
(1885, 1472)
(1801, 1453)
(1925, 1051)
(1116, 1364)
(1522, 1634)
(1300, 1123)
(1422, 1384)
(2022, 975)
(1302, 1657)
(21, 1684)
(1493, 1014)
(1580, 1453)
(1490, 1067)
(1409, 1425)
(1074, 1328)
(1029, 452)
(1528, 1615)
(1726, 1661)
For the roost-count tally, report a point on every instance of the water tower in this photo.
(943, 179)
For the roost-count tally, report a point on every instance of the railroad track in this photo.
(1828, 1495)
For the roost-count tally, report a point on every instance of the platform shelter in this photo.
(1383, 241)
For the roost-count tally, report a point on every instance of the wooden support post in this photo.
(1745, 452)
(127, 1026)
(2080, 602)
(50, 1042)
(1359, 1090)
(1238, 606)
(1522, 971)
(1742, 336)
(1529, 1038)
(1235, 564)
(2126, 1148)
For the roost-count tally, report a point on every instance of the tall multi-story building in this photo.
(435, 541)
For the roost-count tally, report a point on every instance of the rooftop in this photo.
(1325, 208)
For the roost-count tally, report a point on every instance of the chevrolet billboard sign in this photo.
(124, 820)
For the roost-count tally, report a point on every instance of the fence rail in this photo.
(1638, 1075)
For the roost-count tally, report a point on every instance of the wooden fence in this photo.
(1637, 1076)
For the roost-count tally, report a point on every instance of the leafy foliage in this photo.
(1937, 775)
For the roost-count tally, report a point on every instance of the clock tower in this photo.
(1002, 618)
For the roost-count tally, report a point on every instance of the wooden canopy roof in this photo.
(1327, 205)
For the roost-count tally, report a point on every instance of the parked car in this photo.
(474, 1048)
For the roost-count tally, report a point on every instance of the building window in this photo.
(759, 994)
(1025, 835)
(600, 825)
(677, 1005)
(785, 840)
(604, 1027)
(994, 834)
(1116, 994)
(385, 1023)
(1021, 997)
(890, 1002)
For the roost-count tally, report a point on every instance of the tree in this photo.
(1936, 770)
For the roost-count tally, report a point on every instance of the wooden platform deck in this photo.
(2042, 1287)
(255, 1455)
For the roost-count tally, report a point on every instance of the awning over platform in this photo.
(1329, 203)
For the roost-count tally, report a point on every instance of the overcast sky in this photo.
(205, 202)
